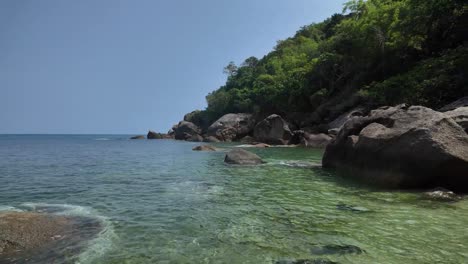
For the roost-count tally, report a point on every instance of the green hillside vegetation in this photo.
(377, 52)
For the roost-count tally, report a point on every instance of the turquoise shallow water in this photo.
(161, 202)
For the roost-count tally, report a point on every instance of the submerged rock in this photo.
(305, 261)
(258, 145)
(204, 148)
(138, 137)
(242, 157)
(20, 231)
(442, 194)
(402, 147)
(336, 250)
(32, 237)
(273, 130)
(352, 208)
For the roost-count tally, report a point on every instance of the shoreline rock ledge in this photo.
(402, 147)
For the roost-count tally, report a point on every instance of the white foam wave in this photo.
(9, 209)
(296, 163)
(102, 139)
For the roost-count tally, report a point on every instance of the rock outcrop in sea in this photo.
(242, 157)
(402, 147)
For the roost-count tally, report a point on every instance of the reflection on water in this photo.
(165, 203)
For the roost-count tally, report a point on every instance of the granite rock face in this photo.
(273, 130)
(231, 127)
(402, 147)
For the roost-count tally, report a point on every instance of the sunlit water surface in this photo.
(161, 202)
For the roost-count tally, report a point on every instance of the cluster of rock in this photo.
(404, 147)
(396, 147)
(244, 128)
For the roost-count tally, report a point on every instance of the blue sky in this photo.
(123, 67)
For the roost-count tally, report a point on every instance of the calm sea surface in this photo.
(161, 202)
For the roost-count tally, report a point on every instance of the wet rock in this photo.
(32, 237)
(315, 140)
(352, 208)
(211, 139)
(20, 231)
(242, 157)
(247, 139)
(154, 135)
(305, 261)
(306, 139)
(402, 147)
(232, 126)
(204, 148)
(273, 130)
(138, 137)
(258, 145)
(336, 250)
(442, 194)
(195, 138)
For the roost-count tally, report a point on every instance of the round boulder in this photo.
(232, 126)
(185, 130)
(204, 148)
(273, 130)
(242, 157)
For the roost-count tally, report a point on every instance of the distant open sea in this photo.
(161, 202)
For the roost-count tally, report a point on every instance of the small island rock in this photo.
(242, 157)
(204, 148)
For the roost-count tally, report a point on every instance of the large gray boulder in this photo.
(232, 126)
(459, 115)
(306, 139)
(185, 130)
(462, 102)
(345, 117)
(242, 157)
(402, 147)
(315, 140)
(273, 130)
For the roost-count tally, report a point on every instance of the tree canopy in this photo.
(380, 51)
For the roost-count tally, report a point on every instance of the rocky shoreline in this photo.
(395, 147)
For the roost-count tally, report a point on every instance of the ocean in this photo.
(160, 202)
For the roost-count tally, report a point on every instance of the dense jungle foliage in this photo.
(378, 52)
